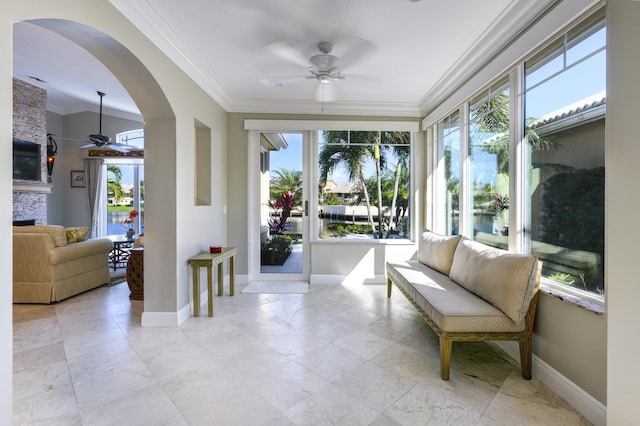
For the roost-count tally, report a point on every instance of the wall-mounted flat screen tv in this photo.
(27, 164)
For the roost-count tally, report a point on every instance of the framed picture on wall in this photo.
(77, 179)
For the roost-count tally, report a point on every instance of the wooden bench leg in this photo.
(389, 285)
(526, 349)
(445, 357)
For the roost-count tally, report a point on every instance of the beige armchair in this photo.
(46, 268)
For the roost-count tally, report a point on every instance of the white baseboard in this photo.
(160, 319)
(592, 409)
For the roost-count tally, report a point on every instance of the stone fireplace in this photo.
(30, 124)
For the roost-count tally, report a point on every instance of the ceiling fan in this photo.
(323, 67)
(101, 141)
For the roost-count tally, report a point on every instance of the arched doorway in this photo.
(159, 125)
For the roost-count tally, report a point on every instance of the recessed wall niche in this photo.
(202, 174)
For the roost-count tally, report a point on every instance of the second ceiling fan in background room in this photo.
(101, 141)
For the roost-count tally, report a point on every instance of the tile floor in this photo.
(338, 355)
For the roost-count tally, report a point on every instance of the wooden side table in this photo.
(135, 273)
(208, 260)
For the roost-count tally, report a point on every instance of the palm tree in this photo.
(114, 176)
(286, 180)
(401, 153)
(377, 158)
(350, 151)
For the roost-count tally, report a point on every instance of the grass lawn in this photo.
(119, 209)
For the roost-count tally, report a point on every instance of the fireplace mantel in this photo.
(32, 187)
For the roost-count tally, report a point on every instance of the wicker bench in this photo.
(468, 291)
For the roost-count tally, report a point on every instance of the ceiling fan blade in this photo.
(281, 81)
(288, 52)
(89, 145)
(352, 50)
(326, 92)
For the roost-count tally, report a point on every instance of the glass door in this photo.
(283, 208)
(125, 196)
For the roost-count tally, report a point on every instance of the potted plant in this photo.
(127, 223)
(499, 207)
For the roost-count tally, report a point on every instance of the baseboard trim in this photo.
(160, 319)
(592, 409)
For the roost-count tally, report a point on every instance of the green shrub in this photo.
(343, 229)
(276, 251)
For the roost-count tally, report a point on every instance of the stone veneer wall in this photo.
(30, 124)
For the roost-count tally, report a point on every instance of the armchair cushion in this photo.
(76, 234)
(57, 232)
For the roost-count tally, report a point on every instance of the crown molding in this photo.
(329, 108)
(500, 33)
(156, 28)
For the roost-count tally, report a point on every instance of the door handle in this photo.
(306, 207)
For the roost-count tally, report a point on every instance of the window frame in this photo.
(313, 126)
(519, 214)
(409, 237)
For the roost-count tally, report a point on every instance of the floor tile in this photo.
(338, 355)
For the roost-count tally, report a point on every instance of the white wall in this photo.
(622, 206)
(55, 200)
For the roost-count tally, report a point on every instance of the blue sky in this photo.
(291, 159)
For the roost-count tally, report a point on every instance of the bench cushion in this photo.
(451, 307)
(505, 279)
(436, 251)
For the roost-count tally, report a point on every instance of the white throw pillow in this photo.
(504, 279)
(436, 251)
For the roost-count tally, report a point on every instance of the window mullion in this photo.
(519, 240)
(466, 187)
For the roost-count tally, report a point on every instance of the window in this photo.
(362, 173)
(448, 134)
(559, 185)
(565, 105)
(125, 187)
(489, 161)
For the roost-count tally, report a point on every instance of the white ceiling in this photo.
(414, 49)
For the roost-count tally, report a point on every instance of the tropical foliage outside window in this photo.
(364, 184)
(125, 186)
(489, 155)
